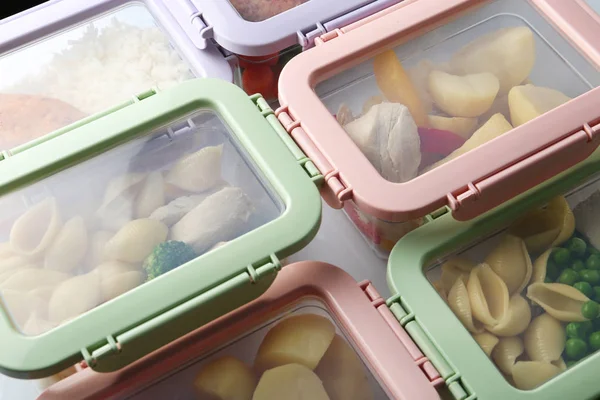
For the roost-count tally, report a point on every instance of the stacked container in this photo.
(430, 104)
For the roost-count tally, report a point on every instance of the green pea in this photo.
(590, 309)
(577, 247)
(597, 293)
(596, 324)
(552, 271)
(575, 348)
(585, 288)
(568, 277)
(590, 275)
(579, 330)
(561, 256)
(577, 265)
(570, 363)
(593, 262)
(595, 341)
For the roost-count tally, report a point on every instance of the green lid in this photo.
(415, 261)
(100, 222)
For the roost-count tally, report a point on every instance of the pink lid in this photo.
(399, 364)
(470, 184)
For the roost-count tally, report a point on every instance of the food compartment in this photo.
(529, 293)
(82, 70)
(260, 10)
(300, 354)
(100, 228)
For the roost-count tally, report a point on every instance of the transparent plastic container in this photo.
(260, 10)
(549, 265)
(449, 80)
(96, 230)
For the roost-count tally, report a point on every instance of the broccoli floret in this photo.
(167, 256)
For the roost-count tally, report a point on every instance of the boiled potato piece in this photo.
(507, 53)
(494, 127)
(463, 127)
(301, 339)
(290, 382)
(74, 297)
(343, 373)
(528, 102)
(226, 378)
(396, 85)
(463, 96)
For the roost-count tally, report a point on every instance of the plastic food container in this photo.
(266, 34)
(430, 104)
(363, 353)
(65, 60)
(139, 225)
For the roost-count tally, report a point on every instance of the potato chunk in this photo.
(290, 382)
(528, 102)
(463, 127)
(226, 378)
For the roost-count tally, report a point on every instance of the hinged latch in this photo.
(328, 36)
(305, 162)
(397, 310)
(332, 178)
(269, 266)
(198, 24)
(111, 347)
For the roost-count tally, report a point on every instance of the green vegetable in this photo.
(577, 247)
(167, 256)
(568, 277)
(595, 341)
(552, 270)
(585, 288)
(592, 250)
(561, 256)
(597, 293)
(579, 329)
(548, 280)
(575, 348)
(590, 309)
(577, 265)
(596, 324)
(590, 275)
(570, 363)
(593, 262)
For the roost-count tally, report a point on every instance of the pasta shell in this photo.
(218, 218)
(28, 279)
(6, 251)
(43, 292)
(176, 209)
(116, 285)
(488, 295)
(151, 196)
(98, 246)
(68, 249)
(118, 205)
(12, 263)
(36, 326)
(74, 297)
(506, 353)
(458, 300)
(561, 301)
(136, 240)
(437, 285)
(22, 305)
(112, 268)
(123, 186)
(516, 319)
(539, 267)
(566, 220)
(544, 339)
(560, 363)
(452, 269)
(531, 374)
(198, 171)
(33, 231)
(486, 341)
(541, 241)
(510, 260)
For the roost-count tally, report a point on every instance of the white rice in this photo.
(106, 67)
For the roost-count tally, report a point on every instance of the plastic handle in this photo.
(524, 175)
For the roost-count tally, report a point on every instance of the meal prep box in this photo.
(483, 309)
(429, 104)
(266, 34)
(65, 60)
(135, 227)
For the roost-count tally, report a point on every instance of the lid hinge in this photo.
(401, 312)
(305, 162)
(307, 40)
(198, 23)
(331, 176)
(268, 266)
(111, 347)
(420, 360)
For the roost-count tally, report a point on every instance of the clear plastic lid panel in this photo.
(260, 10)
(83, 70)
(594, 5)
(90, 233)
(299, 355)
(433, 99)
(529, 293)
